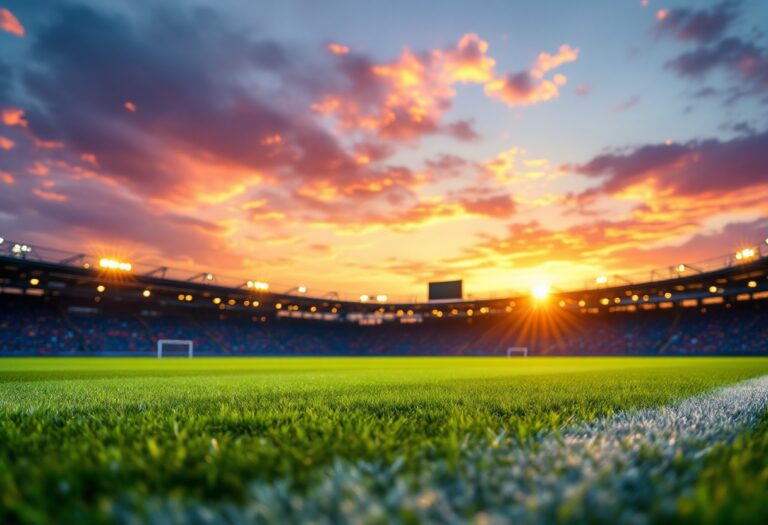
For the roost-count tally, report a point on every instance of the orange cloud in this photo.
(6, 178)
(10, 23)
(130, 106)
(49, 195)
(413, 92)
(338, 49)
(6, 143)
(14, 117)
(39, 169)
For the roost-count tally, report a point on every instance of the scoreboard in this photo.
(445, 290)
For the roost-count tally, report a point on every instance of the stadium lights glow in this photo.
(746, 253)
(112, 264)
(209, 277)
(146, 293)
(364, 298)
(101, 288)
(681, 268)
(540, 291)
(21, 248)
(258, 285)
(302, 289)
(601, 280)
(381, 298)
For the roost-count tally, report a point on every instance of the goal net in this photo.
(517, 350)
(174, 348)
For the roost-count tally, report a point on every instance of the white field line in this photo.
(618, 469)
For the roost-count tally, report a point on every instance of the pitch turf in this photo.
(97, 440)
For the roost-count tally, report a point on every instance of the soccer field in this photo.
(379, 440)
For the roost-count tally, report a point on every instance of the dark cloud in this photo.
(462, 130)
(694, 168)
(700, 26)
(744, 60)
(203, 119)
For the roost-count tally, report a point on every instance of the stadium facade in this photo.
(74, 305)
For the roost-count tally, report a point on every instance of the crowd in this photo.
(48, 330)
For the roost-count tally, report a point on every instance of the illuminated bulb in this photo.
(34, 281)
(146, 293)
(713, 289)
(601, 280)
(752, 284)
(302, 289)
(100, 288)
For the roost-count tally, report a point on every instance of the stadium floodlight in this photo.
(258, 285)
(302, 289)
(746, 253)
(381, 298)
(112, 264)
(209, 277)
(540, 291)
(3, 240)
(681, 268)
(601, 280)
(21, 248)
(364, 298)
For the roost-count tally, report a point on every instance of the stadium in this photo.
(59, 303)
(367, 263)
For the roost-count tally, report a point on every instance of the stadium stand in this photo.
(43, 329)
(51, 305)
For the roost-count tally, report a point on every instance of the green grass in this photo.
(78, 436)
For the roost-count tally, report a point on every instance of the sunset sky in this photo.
(368, 147)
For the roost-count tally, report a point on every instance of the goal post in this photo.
(162, 343)
(517, 350)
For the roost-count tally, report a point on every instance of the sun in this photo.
(540, 291)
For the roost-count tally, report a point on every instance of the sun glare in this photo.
(540, 291)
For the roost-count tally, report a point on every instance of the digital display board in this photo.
(445, 290)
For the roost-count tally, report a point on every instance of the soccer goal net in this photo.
(174, 348)
(517, 350)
